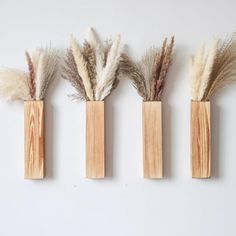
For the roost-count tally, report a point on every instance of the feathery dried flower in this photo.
(214, 70)
(131, 70)
(31, 76)
(82, 67)
(14, 84)
(71, 74)
(90, 57)
(148, 76)
(42, 68)
(97, 67)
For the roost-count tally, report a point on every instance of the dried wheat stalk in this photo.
(93, 69)
(214, 70)
(42, 68)
(148, 75)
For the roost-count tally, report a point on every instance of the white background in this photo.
(123, 204)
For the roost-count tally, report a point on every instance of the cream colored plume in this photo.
(45, 62)
(99, 52)
(209, 62)
(81, 66)
(13, 84)
(197, 68)
(108, 75)
(146, 65)
(202, 66)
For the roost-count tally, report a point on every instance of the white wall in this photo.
(123, 204)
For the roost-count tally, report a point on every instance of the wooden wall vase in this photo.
(34, 139)
(152, 140)
(95, 154)
(200, 139)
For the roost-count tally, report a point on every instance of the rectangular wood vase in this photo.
(152, 140)
(95, 154)
(34, 139)
(200, 139)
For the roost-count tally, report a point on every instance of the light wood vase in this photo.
(200, 139)
(34, 139)
(95, 146)
(152, 140)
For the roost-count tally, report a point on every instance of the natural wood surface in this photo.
(95, 156)
(34, 139)
(152, 140)
(200, 139)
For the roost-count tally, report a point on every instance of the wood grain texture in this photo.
(34, 139)
(95, 155)
(152, 140)
(200, 139)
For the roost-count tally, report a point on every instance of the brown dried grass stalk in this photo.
(31, 75)
(90, 57)
(131, 69)
(165, 64)
(71, 74)
(148, 76)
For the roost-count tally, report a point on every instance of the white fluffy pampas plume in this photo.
(108, 73)
(31, 85)
(215, 69)
(201, 70)
(13, 85)
(93, 68)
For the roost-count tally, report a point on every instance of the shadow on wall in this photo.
(49, 140)
(215, 138)
(109, 137)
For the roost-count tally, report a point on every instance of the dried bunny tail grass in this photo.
(89, 55)
(46, 62)
(206, 74)
(224, 68)
(197, 68)
(166, 58)
(31, 75)
(82, 67)
(70, 73)
(105, 83)
(131, 70)
(146, 66)
(14, 85)
(99, 52)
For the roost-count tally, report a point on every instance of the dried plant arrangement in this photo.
(92, 69)
(149, 74)
(210, 71)
(31, 87)
(148, 77)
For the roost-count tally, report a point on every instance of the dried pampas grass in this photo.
(42, 68)
(105, 83)
(93, 68)
(131, 69)
(148, 75)
(215, 69)
(46, 67)
(14, 84)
